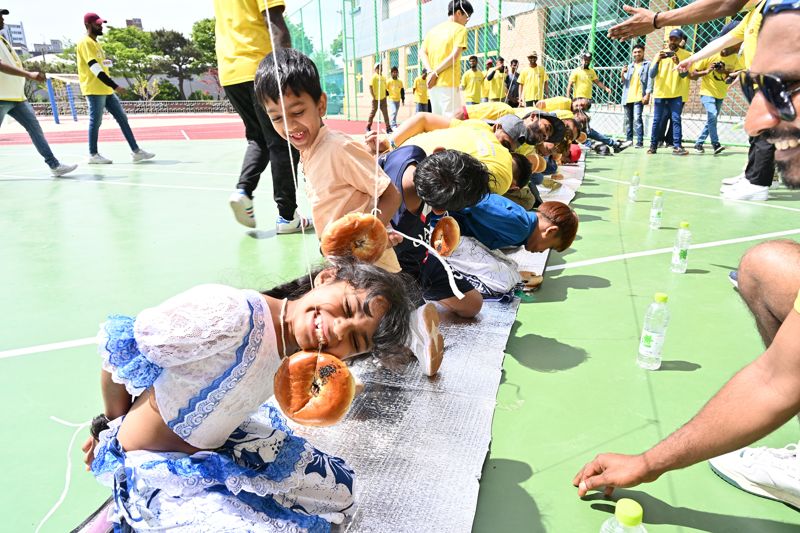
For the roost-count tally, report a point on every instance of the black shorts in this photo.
(432, 277)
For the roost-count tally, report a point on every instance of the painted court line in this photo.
(185, 135)
(700, 194)
(11, 177)
(658, 251)
(48, 347)
(139, 167)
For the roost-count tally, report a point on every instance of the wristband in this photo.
(99, 423)
(655, 20)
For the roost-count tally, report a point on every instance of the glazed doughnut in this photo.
(446, 236)
(314, 389)
(582, 137)
(358, 235)
(541, 164)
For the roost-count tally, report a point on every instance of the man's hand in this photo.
(625, 70)
(88, 450)
(646, 99)
(661, 55)
(639, 23)
(612, 470)
(685, 65)
(675, 59)
(608, 89)
(375, 143)
(394, 238)
(432, 79)
(37, 76)
(119, 89)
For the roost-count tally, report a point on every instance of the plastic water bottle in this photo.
(657, 210)
(681, 250)
(656, 320)
(633, 188)
(627, 518)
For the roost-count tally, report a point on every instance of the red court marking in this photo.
(110, 132)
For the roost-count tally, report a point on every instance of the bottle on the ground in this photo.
(654, 330)
(627, 518)
(680, 253)
(633, 188)
(657, 210)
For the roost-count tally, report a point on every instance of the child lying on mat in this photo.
(186, 441)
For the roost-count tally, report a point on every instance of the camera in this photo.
(668, 53)
(719, 65)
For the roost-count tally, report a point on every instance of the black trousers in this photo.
(760, 162)
(264, 145)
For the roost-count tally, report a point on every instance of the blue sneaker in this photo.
(296, 225)
(733, 277)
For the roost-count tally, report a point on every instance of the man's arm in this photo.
(388, 204)
(448, 61)
(569, 89)
(641, 19)
(769, 387)
(544, 88)
(14, 71)
(418, 123)
(276, 25)
(601, 85)
(717, 45)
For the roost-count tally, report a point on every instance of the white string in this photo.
(288, 144)
(450, 278)
(68, 476)
(281, 319)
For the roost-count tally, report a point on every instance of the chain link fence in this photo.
(346, 37)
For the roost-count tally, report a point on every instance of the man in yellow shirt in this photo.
(14, 103)
(441, 55)
(397, 94)
(420, 91)
(635, 94)
(532, 82)
(715, 73)
(242, 31)
(98, 88)
(669, 85)
(583, 78)
(472, 82)
(379, 89)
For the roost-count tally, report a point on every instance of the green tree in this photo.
(132, 55)
(300, 40)
(179, 56)
(167, 91)
(205, 41)
(337, 46)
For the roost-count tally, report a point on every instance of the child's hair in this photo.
(296, 72)
(459, 5)
(397, 289)
(451, 180)
(521, 169)
(564, 217)
(586, 101)
(581, 120)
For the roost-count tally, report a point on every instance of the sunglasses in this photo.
(775, 91)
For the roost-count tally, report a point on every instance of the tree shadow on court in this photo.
(543, 354)
(583, 195)
(556, 288)
(589, 207)
(678, 366)
(698, 271)
(503, 505)
(585, 217)
(662, 513)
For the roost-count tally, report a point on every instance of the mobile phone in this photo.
(669, 53)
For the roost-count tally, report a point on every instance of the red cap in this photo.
(91, 18)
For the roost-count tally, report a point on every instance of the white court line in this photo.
(700, 194)
(48, 347)
(10, 177)
(140, 167)
(185, 135)
(645, 253)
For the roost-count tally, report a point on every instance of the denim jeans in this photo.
(23, 113)
(663, 109)
(98, 103)
(597, 136)
(394, 107)
(633, 114)
(422, 108)
(712, 105)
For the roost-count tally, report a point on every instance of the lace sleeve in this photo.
(195, 324)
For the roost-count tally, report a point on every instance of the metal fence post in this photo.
(594, 26)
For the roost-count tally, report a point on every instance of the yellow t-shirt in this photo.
(438, 45)
(747, 31)
(713, 84)
(582, 80)
(12, 88)
(87, 50)
(242, 38)
(668, 83)
(635, 87)
(797, 303)
(379, 86)
(489, 110)
(532, 80)
(420, 90)
(477, 139)
(394, 86)
(555, 103)
(472, 83)
(497, 85)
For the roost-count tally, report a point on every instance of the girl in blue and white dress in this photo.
(197, 450)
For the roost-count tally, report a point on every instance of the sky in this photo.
(44, 20)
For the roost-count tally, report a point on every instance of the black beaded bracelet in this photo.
(655, 20)
(99, 423)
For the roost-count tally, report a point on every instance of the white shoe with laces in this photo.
(298, 224)
(141, 155)
(426, 342)
(744, 190)
(98, 159)
(62, 169)
(242, 206)
(733, 180)
(772, 473)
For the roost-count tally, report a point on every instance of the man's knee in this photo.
(771, 260)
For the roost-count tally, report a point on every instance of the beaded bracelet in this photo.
(99, 423)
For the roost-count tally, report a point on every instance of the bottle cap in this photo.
(628, 512)
(659, 193)
(661, 297)
(684, 225)
(636, 173)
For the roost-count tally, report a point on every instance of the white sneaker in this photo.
(242, 207)
(141, 155)
(733, 180)
(296, 225)
(98, 159)
(426, 341)
(744, 190)
(772, 473)
(62, 169)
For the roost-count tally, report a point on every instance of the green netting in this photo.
(344, 37)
